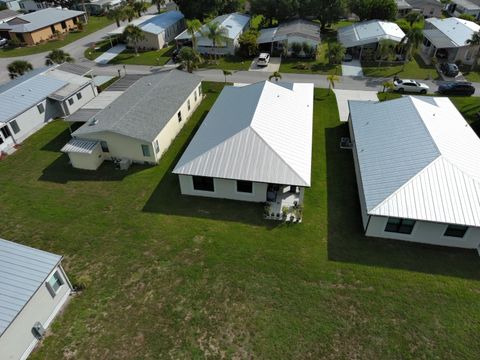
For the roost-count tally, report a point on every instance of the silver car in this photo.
(412, 86)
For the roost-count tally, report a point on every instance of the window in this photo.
(456, 231)
(402, 226)
(179, 115)
(79, 96)
(157, 147)
(14, 126)
(146, 150)
(203, 183)
(188, 104)
(200, 91)
(426, 42)
(1, 140)
(195, 95)
(5, 132)
(104, 146)
(41, 108)
(244, 186)
(54, 283)
(71, 101)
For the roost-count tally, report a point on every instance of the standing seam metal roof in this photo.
(22, 271)
(368, 32)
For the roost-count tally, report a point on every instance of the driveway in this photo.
(352, 68)
(273, 65)
(110, 54)
(343, 96)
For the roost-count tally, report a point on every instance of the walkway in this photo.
(110, 54)
(352, 68)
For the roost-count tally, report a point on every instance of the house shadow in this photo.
(346, 240)
(167, 199)
(59, 141)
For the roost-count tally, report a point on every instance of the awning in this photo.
(79, 146)
(438, 39)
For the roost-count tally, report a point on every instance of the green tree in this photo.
(134, 35)
(385, 50)
(159, 4)
(279, 10)
(387, 85)
(117, 14)
(217, 34)
(411, 41)
(248, 43)
(474, 44)
(58, 56)
(467, 17)
(335, 53)
(326, 11)
(193, 26)
(374, 9)
(276, 75)
(332, 79)
(412, 17)
(201, 9)
(129, 12)
(18, 68)
(140, 7)
(189, 58)
(225, 74)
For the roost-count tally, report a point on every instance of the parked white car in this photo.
(412, 86)
(263, 59)
(3, 42)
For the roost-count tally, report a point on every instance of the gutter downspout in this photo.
(368, 223)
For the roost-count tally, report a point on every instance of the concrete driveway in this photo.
(343, 96)
(273, 65)
(352, 68)
(110, 54)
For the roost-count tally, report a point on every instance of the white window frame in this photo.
(60, 279)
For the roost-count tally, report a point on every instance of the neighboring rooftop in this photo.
(368, 32)
(403, 5)
(7, 14)
(260, 132)
(471, 5)
(39, 20)
(449, 32)
(154, 24)
(418, 159)
(22, 271)
(298, 27)
(145, 107)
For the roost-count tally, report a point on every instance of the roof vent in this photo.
(38, 330)
(93, 122)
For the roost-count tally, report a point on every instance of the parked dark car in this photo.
(450, 70)
(456, 88)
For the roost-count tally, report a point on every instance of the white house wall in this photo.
(425, 232)
(18, 341)
(88, 93)
(158, 41)
(87, 161)
(224, 189)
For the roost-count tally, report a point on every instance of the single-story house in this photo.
(26, 5)
(29, 102)
(158, 30)
(417, 169)
(254, 145)
(367, 34)
(7, 15)
(428, 8)
(446, 39)
(33, 290)
(295, 31)
(41, 25)
(459, 7)
(98, 7)
(403, 8)
(140, 124)
(235, 24)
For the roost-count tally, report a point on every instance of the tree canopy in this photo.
(204, 8)
(374, 9)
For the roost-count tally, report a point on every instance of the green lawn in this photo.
(471, 75)
(170, 276)
(152, 57)
(97, 49)
(415, 69)
(95, 23)
(233, 63)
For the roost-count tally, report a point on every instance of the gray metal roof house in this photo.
(33, 289)
(140, 123)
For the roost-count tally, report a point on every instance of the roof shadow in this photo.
(346, 240)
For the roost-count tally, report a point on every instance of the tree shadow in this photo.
(346, 240)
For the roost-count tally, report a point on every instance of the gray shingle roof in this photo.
(22, 271)
(39, 19)
(146, 107)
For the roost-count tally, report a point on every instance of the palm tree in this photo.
(332, 78)
(117, 14)
(226, 73)
(385, 50)
(189, 58)
(159, 4)
(18, 68)
(139, 7)
(474, 43)
(193, 26)
(276, 75)
(134, 35)
(58, 56)
(387, 85)
(217, 34)
(129, 12)
(412, 17)
(335, 53)
(411, 41)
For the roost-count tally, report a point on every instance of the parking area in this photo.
(273, 65)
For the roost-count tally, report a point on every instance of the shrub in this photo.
(295, 49)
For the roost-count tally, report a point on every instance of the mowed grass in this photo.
(414, 69)
(95, 23)
(151, 57)
(179, 277)
(228, 62)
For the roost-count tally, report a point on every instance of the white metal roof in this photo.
(154, 24)
(418, 159)
(22, 271)
(260, 132)
(456, 30)
(80, 146)
(368, 32)
(298, 27)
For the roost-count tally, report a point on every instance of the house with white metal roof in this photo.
(294, 31)
(158, 30)
(367, 34)
(33, 290)
(235, 25)
(136, 125)
(41, 25)
(29, 102)
(417, 168)
(459, 7)
(254, 145)
(447, 39)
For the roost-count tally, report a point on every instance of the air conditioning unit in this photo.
(38, 330)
